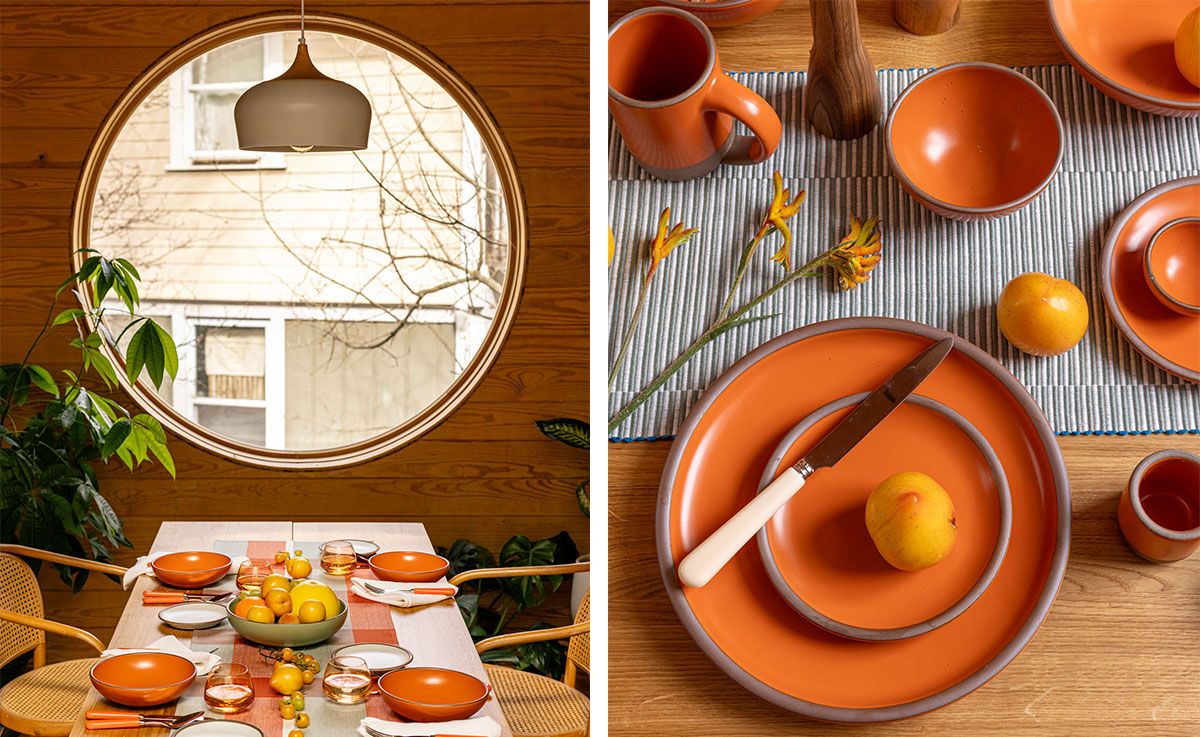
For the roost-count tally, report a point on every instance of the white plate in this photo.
(380, 657)
(219, 728)
(361, 547)
(193, 615)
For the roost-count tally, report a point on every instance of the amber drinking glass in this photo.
(229, 689)
(252, 573)
(347, 680)
(338, 558)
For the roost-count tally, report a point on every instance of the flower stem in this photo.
(743, 265)
(619, 361)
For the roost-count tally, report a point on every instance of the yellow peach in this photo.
(910, 518)
(1041, 314)
(1187, 47)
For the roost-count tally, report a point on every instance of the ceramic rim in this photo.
(359, 646)
(1158, 288)
(1078, 60)
(999, 209)
(445, 563)
(220, 615)
(876, 634)
(487, 689)
(92, 671)
(696, 86)
(225, 724)
(1054, 574)
(1135, 497)
(1106, 279)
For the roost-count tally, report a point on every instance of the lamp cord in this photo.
(301, 21)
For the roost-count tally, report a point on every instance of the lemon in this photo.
(1187, 47)
(286, 678)
(312, 611)
(314, 591)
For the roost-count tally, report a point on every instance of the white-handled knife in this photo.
(710, 556)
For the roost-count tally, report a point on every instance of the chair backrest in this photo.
(579, 647)
(19, 592)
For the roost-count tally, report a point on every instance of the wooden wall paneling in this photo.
(486, 473)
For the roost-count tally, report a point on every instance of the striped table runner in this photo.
(367, 621)
(936, 271)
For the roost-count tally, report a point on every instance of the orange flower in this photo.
(668, 240)
(782, 210)
(858, 253)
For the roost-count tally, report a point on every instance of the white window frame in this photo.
(182, 124)
(274, 374)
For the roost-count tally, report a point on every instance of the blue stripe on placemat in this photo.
(935, 271)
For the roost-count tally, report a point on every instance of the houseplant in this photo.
(54, 429)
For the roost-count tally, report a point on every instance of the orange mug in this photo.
(1159, 511)
(672, 103)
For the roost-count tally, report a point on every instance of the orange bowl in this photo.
(408, 566)
(723, 13)
(142, 679)
(1171, 265)
(974, 141)
(190, 570)
(432, 694)
(1127, 50)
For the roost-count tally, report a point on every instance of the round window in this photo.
(326, 307)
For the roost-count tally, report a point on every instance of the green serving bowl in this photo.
(287, 635)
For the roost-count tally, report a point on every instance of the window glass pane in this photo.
(240, 61)
(116, 322)
(231, 362)
(247, 424)
(213, 121)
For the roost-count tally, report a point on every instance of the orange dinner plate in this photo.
(1167, 338)
(1126, 49)
(750, 632)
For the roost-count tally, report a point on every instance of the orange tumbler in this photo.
(1159, 511)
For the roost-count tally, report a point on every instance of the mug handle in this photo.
(745, 105)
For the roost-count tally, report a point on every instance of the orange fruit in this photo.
(312, 611)
(244, 605)
(275, 581)
(298, 567)
(279, 601)
(1041, 314)
(1187, 47)
(260, 613)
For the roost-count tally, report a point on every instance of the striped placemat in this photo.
(944, 273)
(367, 621)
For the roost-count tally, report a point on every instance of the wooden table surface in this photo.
(1119, 653)
(436, 635)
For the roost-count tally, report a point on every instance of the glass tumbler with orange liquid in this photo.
(347, 680)
(251, 574)
(338, 558)
(229, 689)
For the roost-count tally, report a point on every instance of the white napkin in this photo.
(204, 662)
(482, 726)
(142, 567)
(398, 594)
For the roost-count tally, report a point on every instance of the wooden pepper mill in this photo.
(926, 17)
(842, 98)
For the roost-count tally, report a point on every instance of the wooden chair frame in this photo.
(521, 638)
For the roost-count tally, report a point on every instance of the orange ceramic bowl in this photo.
(432, 694)
(190, 570)
(974, 141)
(724, 13)
(1159, 511)
(1126, 50)
(408, 566)
(1172, 265)
(142, 679)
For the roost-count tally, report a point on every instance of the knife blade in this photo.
(699, 566)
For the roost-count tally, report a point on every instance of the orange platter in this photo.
(750, 632)
(1125, 49)
(1168, 339)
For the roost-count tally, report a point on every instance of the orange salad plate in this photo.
(1126, 49)
(752, 634)
(1168, 339)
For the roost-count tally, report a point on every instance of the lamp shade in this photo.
(302, 110)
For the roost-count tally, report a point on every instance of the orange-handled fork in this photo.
(437, 590)
(100, 720)
(165, 596)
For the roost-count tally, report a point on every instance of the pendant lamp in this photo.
(302, 110)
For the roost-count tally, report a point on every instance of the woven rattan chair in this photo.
(46, 700)
(537, 706)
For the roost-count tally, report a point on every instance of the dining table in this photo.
(435, 634)
(1119, 653)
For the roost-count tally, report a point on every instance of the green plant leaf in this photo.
(170, 355)
(163, 455)
(584, 498)
(104, 368)
(68, 315)
(115, 437)
(574, 433)
(124, 263)
(145, 351)
(528, 591)
(42, 379)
